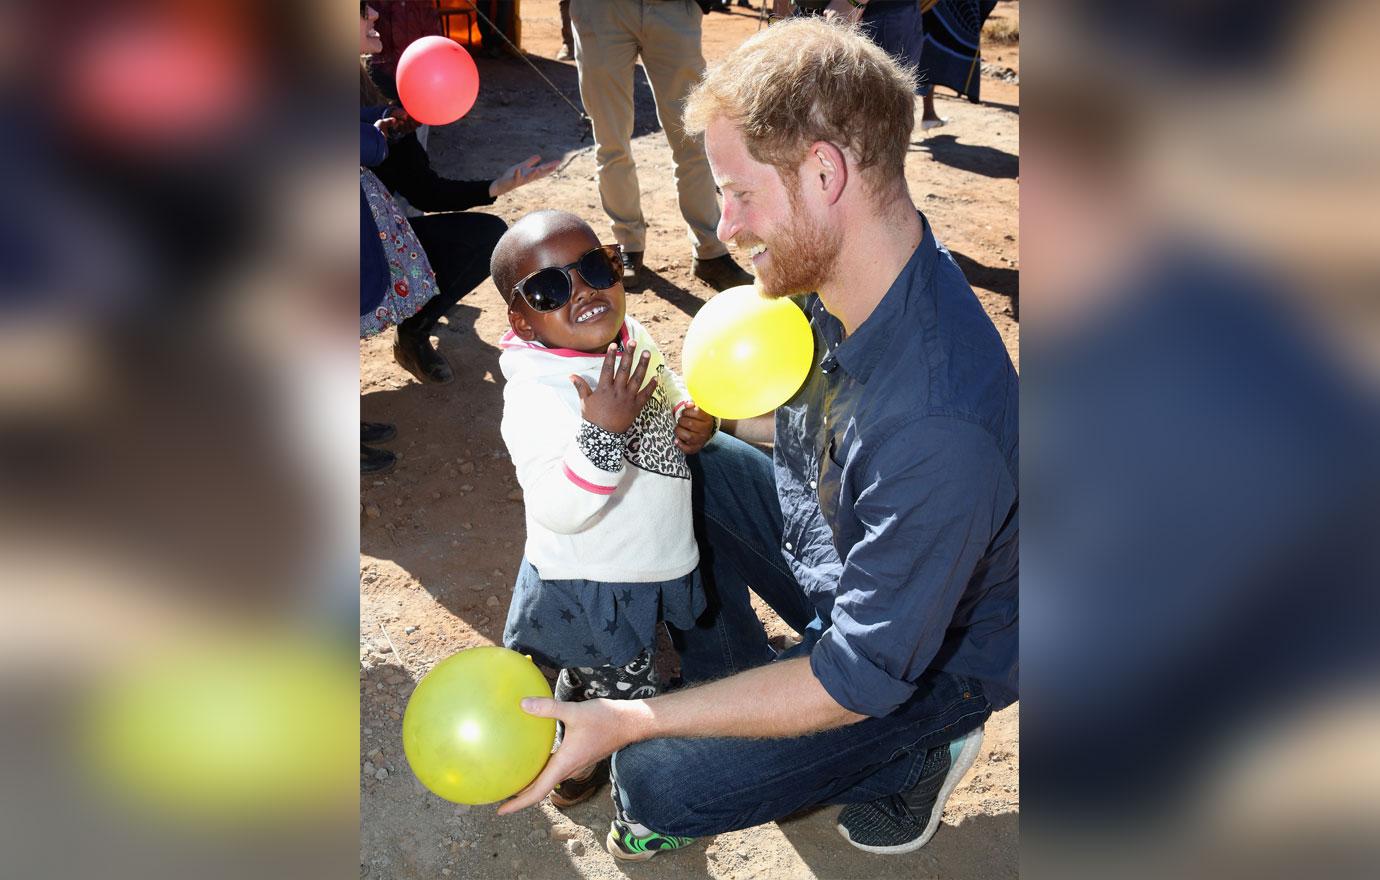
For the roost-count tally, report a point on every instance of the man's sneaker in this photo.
(903, 823)
(721, 273)
(631, 841)
(624, 842)
(634, 278)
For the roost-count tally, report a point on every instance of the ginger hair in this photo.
(806, 80)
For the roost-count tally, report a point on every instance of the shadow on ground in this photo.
(517, 114)
(436, 425)
(981, 846)
(973, 158)
(1005, 282)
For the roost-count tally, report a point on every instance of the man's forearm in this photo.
(780, 699)
(758, 429)
(777, 700)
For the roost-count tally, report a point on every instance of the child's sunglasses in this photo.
(550, 288)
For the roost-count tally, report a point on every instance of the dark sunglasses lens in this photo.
(547, 290)
(596, 267)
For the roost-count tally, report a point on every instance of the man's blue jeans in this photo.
(699, 787)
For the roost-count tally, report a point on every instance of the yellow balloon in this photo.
(745, 354)
(229, 729)
(464, 733)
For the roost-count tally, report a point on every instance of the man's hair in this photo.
(807, 80)
(522, 235)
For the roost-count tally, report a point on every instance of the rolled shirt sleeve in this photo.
(932, 496)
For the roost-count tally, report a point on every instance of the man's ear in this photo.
(827, 169)
(521, 326)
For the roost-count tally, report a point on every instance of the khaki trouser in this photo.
(609, 37)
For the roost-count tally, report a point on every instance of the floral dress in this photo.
(410, 277)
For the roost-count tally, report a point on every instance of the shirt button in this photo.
(788, 546)
(814, 485)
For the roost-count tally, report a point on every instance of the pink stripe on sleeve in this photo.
(586, 484)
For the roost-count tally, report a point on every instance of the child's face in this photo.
(590, 320)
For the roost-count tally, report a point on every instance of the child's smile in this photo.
(593, 311)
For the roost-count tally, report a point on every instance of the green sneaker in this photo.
(625, 843)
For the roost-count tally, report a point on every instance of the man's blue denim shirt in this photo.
(896, 467)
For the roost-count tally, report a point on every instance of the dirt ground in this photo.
(441, 535)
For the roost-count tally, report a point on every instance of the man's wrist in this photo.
(638, 720)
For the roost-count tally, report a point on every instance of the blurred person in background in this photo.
(413, 271)
(567, 51)
(1202, 481)
(610, 36)
(495, 20)
(946, 53)
(399, 24)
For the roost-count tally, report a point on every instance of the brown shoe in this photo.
(578, 788)
(414, 353)
(721, 273)
(634, 278)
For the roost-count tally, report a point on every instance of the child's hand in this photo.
(614, 405)
(693, 429)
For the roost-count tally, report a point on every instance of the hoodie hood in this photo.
(523, 360)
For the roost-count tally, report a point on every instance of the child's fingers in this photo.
(693, 415)
(625, 364)
(641, 372)
(581, 386)
(607, 372)
(646, 394)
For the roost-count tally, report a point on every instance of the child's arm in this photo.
(694, 427)
(565, 481)
(570, 464)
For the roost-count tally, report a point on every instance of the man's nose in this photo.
(728, 222)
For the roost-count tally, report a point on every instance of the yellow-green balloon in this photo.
(225, 729)
(745, 354)
(464, 733)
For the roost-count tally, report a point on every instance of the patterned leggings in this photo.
(635, 681)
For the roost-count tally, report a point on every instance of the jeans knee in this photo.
(644, 773)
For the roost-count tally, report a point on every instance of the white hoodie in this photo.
(626, 518)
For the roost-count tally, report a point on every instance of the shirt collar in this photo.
(860, 353)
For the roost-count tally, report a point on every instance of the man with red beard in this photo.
(884, 526)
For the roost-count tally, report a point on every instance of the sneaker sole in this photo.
(972, 744)
(611, 844)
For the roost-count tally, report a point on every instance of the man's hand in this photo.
(521, 174)
(594, 730)
(693, 429)
(614, 405)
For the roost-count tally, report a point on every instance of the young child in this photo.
(598, 429)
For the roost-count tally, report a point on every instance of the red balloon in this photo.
(437, 80)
